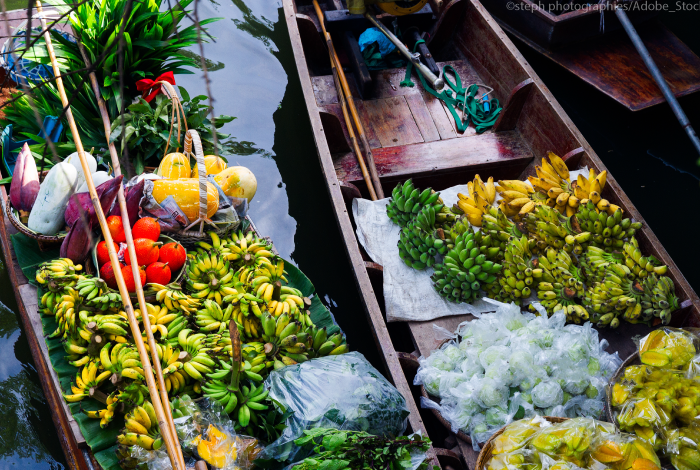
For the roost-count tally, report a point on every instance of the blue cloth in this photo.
(372, 35)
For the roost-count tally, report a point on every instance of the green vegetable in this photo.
(340, 450)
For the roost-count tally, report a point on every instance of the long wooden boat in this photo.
(603, 57)
(413, 136)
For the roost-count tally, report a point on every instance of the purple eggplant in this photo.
(133, 195)
(81, 203)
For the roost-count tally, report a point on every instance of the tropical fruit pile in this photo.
(509, 364)
(572, 444)
(658, 400)
(232, 285)
(552, 239)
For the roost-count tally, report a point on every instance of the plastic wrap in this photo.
(668, 348)
(341, 392)
(517, 435)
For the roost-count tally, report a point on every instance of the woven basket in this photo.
(485, 454)
(630, 361)
(46, 242)
(193, 149)
(150, 297)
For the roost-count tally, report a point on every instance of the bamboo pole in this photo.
(128, 308)
(335, 62)
(132, 251)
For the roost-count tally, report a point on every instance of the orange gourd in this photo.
(185, 191)
(213, 164)
(174, 165)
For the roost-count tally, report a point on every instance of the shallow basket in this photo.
(485, 454)
(633, 360)
(46, 242)
(150, 296)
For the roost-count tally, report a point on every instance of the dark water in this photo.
(255, 79)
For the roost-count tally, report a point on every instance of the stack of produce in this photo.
(578, 443)
(658, 400)
(507, 365)
(191, 328)
(477, 203)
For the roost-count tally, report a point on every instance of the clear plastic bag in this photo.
(341, 392)
(668, 347)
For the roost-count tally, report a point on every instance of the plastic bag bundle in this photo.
(581, 443)
(501, 355)
(341, 392)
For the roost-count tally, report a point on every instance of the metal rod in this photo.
(660, 80)
(436, 82)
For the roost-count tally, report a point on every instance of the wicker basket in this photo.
(150, 297)
(46, 242)
(485, 454)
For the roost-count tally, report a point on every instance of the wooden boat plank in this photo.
(423, 118)
(443, 122)
(28, 295)
(612, 65)
(370, 131)
(379, 330)
(324, 90)
(392, 121)
(449, 157)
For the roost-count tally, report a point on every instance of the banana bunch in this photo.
(161, 319)
(662, 301)
(549, 228)
(518, 272)
(171, 363)
(607, 230)
(109, 299)
(91, 287)
(595, 261)
(242, 401)
(560, 285)
(122, 360)
(591, 188)
(210, 277)
(617, 294)
(553, 180)
(248, 250)
(76, 349)
(66, 312)
(131, 395)
(89, 377)
(479, 199)
(418, 242)
(105, 415)
(464, 269)
(407, 201)
(492, 243)
(248, 370)
(497, 221)
(264, 280)
(638, 264)
(173, 298)
(198, 362)
(57, 274)
(90, 325)
(212, 317)
(519, 198)
(217, 246)
(141, 428)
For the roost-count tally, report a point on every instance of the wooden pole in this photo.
(168, 438)
(132, 251)
(351, 103)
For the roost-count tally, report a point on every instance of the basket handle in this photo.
(192, 139)
(169, 91)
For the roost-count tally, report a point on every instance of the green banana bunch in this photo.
(407, 201)
(639, 264)
(560, 285)
(465, 268)
(108, 299)
(198, 361)
(419, 242)
(496, 221)
(242, 401)
(550, 228)
(133, 394)
(595, 262)
(518, 272)
(607, 230)
(122, 360)
(617, 294)
(659, 298)
(212, 317)
(91, 287)
(248, 250)
(141, 428)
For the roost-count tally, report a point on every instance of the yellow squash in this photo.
(237, 181)
(213, 164)
(174, 165)
(185, 191)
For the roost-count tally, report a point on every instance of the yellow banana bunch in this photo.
(172, 362)
(519, 198)
(105, 415)
(141, 428)
(481, 196)
(591, 189)
(174, 298)
(553, 179)
(89, 377)
(248, 249)
(160, 318)
(197, 362)
(123, 360)
(58, 273)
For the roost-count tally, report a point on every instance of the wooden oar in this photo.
(170, 440)
(335, 63)
(132, 251)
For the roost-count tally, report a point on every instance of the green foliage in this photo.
(146, 127)
(339, 450)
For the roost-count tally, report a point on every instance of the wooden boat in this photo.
(414, 137)
(603, 57)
